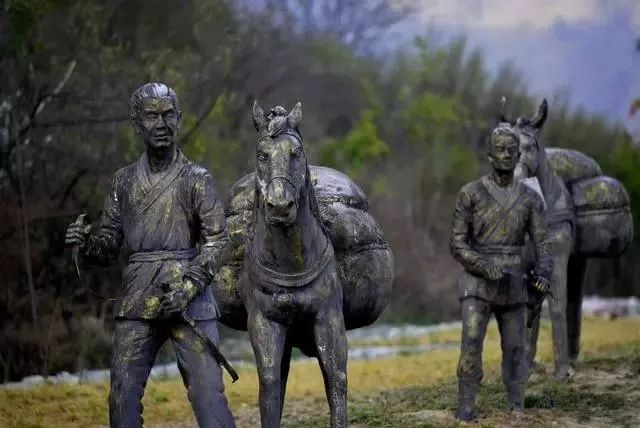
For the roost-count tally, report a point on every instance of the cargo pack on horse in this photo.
(589, 216)
(308, 263)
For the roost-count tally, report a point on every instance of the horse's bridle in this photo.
(287, 177)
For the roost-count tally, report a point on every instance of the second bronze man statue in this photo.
(492, 217)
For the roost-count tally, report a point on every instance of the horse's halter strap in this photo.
(286, 178)
(267, 275)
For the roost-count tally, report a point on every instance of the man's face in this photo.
(158, 122)
(504, 154)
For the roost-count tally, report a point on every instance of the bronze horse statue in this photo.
(308, 263)
(588, 215)
(291, 282)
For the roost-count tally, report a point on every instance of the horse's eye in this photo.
(298, 152)
(262, 156)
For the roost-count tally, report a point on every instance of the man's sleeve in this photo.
(103, 247)
(214, 238)
(471, 260)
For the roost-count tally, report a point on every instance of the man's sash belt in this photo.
(506, 250)
(159, 256)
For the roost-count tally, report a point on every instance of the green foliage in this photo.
(622, 163)
(23, 16)
(361, 145)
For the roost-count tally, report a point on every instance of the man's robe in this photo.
(173, 228)
(490, 223)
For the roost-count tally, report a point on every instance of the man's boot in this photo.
(467, 400)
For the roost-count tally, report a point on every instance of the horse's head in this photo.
(532, 156)
(282, 172)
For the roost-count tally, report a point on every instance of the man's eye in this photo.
(262, 157)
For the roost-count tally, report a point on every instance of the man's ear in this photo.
(135, 123)
(179, 118)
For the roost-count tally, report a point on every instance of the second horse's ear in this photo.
(295, 117)
(541, 116)
(259, 120)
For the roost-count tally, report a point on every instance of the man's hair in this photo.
(504, 130)
(151, 90)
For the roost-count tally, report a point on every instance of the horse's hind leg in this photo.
(268, 339)
(331, 345)
(575, 280)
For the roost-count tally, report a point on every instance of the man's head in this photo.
(155, 114)
(504, 148)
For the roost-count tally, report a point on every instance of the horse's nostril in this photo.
(290, 204)
(270, 205)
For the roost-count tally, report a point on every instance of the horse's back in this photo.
(572, 165)
(364, 257)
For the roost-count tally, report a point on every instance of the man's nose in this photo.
(161, 122)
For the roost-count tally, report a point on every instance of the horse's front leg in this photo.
(268, 339)
(331, 345)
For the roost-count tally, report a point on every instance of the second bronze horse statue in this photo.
(308, 263)
(588, 214)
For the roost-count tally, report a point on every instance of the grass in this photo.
(404, 391)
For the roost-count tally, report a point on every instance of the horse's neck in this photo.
(291, 249)
(548, 181)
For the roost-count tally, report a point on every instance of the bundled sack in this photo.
(572, 165)
(363, 255)
(603, 217)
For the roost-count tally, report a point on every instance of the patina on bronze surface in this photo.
(364, 257)
(165, 211)
(492, 217)
(307, 259)
(290, 284)
(588, 215)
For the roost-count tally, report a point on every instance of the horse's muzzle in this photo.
(281, 213)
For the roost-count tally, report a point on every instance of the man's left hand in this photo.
(178, 297)
(542, 285)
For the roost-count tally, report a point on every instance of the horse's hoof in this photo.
(564, 374)
(466, 414)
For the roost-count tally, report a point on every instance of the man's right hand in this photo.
(492, 271)
(77, 232)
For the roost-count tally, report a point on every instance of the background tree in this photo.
(408, 124)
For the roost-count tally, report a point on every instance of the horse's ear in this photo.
(295, 117)
(259, 120)
(541, 116)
